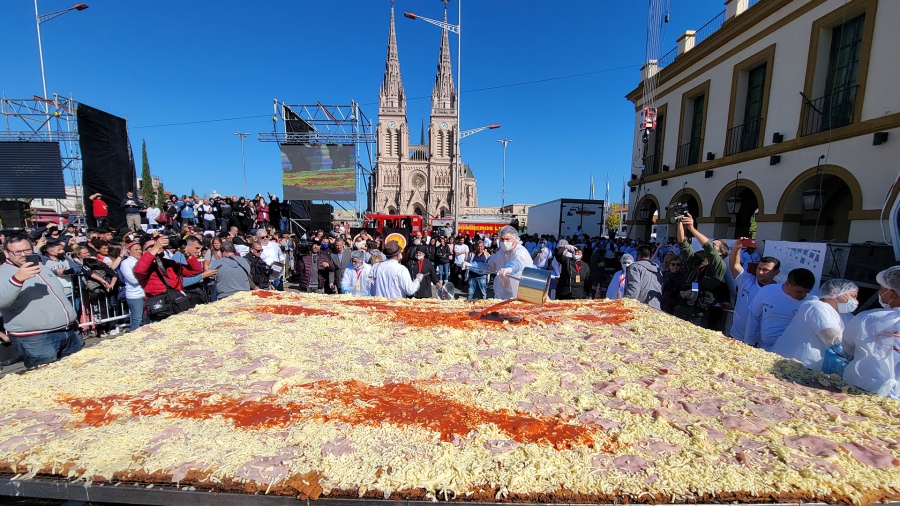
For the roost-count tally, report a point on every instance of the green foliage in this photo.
(753, 227)
(193, 193)
(161, 198)
(146, 179)
(612, 220)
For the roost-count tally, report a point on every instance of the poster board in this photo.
(794, 255)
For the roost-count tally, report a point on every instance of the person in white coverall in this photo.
(616, 289)
(508, 261)
(872, 338)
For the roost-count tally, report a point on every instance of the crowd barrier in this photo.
(96, 308)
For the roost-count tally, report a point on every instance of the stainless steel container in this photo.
(534, 284)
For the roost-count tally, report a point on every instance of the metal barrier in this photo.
(96, 308)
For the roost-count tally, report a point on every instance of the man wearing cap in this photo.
(132, 208)
(313, 268)
(100, 210)
(393, 280)
(420, 264)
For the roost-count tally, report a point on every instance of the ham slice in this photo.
(593, 418)
(655, 448)
(496, 446)
(870, 457)
(654, 383)
(706, 408)
(771, 412)
(287, 371)
(500, 386)
(813, 445)
(338, 447)
(181, 471)
(520, 375)
(631, 464)
(490, 353)
(745, 424)
(609, 387)
(713, 433)
(569, 383)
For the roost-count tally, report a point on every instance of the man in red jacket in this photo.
(148, 273)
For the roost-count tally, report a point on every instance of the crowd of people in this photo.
(201, 250)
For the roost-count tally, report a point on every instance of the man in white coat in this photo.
(392, 279)
(510, 260)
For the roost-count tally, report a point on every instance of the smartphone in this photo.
(748, 243)
(80, 239)
(34, 259)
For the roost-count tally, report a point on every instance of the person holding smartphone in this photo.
(39, 319)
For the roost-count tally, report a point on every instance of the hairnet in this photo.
(508, 230)
(358, 255)
(627, 259)
(834, 288)
(562, 243)
(889, 278)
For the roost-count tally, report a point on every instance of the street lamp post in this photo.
(503, 187)
(243, 165)
(38, 19)
(458, 167)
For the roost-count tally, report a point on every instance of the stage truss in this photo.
(329, 124)
(39, 120)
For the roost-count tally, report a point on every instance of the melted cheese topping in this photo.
(174, 396)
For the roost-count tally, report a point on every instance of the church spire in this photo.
(391, 94)
(443, 96)
(422, 142)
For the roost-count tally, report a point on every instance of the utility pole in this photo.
(503, 187)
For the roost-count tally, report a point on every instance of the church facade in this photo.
(418, 178)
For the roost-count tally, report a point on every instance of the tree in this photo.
(613, 220)
(146, 179)
(161, 198)
(193, 193)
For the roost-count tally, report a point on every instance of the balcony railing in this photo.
(652, 164)
(709, 28)
(743, 137)
(688, 154)
(834, 110)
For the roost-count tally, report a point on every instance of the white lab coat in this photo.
(805, 337)
(616, 289)
(505, 287)
(393, 281)
(353, 279)
(873, 339)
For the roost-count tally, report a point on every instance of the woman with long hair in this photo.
(262, 214)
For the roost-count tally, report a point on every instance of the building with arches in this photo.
(780, 113)
(418, 178)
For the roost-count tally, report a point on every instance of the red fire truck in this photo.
(381, 222)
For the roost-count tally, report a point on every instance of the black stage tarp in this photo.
(107, 165)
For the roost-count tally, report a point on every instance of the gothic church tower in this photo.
(418, 179)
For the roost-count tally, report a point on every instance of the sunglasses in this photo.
(675, 265)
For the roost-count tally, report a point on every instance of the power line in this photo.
(488, 88)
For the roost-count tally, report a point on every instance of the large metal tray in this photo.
(141, 493)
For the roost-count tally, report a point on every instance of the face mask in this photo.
(360, 245)
(577, 257)
(507, 245)
(420, 257)
(567, 254)
(886, 305)
(358, 266)
(848, 307)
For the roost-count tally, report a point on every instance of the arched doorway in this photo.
(735, 209)
(816, 204)
(417, 209)
(644, 217)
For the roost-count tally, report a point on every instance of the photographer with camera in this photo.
(38, 317)
(162, 277)
(701, 281)
(313, 266)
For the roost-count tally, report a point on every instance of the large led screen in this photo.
(320, 172)
(31, 169)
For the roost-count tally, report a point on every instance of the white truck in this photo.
(566, 217)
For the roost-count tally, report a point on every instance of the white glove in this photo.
(570, 248)
(419, 277)
(506, 271)
(466, 265)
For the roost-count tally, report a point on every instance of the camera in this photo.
(679, 210)
(175, 241)
(303, 247)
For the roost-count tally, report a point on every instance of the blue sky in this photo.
(554, 74)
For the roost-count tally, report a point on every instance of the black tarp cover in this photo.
(107, 165)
